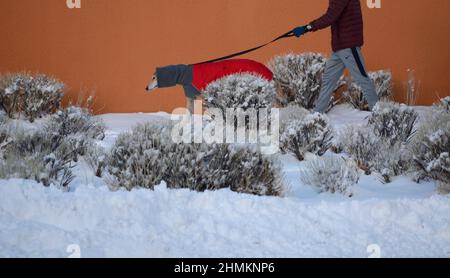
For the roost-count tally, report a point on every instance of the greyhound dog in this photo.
(195, 78)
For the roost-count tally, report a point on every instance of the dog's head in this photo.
(153, 85)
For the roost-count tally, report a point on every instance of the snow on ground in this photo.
(403, 218)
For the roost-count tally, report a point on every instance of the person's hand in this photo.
(300, 31)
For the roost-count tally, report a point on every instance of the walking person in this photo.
(346, 21)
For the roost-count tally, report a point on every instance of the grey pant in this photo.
(352, 59)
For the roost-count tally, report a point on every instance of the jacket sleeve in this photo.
(333, 13)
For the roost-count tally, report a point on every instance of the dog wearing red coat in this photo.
(195, 78)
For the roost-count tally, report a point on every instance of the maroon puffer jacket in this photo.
(345, 18)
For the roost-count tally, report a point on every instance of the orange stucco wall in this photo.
(113, 46)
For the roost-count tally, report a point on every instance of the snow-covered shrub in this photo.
(430, 145)
(96, 159)
(383, 86)
(5, 139)
(299, 77)
(2, 117)
(240, 91)
(74, 120)
(9, 101)
(373, 153)
(391, 160)
(203, 167)
(290, 113)
(137, 157)
(432, 155)
(40, 156)
(312, 134)
(433, 121)
(331, 174)
(362, 144)
(188, 166)
(393, 122)
(78, 127)
(31, 95)
(444, 187)
(147, 155)
(445, 104)
(252, 172)
(4, 134)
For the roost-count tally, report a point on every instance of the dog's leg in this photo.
(190, 104)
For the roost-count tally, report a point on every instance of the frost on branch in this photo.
(203, 167)
(431, 146)
(391, 160)
(393, 122)
(78, 128)
(445, 105)
(240, 91)
(136, 159)
(361, 144)
(40, 156)
(374, 153)
(96, 159)
(2, 117)
(290, 113)
(298, 78)
(31, 95)
(331, 174)
(312, 134)
(5, 138)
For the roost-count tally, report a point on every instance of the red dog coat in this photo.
(204, 74)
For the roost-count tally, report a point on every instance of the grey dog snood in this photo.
(171, 76)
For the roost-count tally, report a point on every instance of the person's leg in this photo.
(354, 61)
(334, 69)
